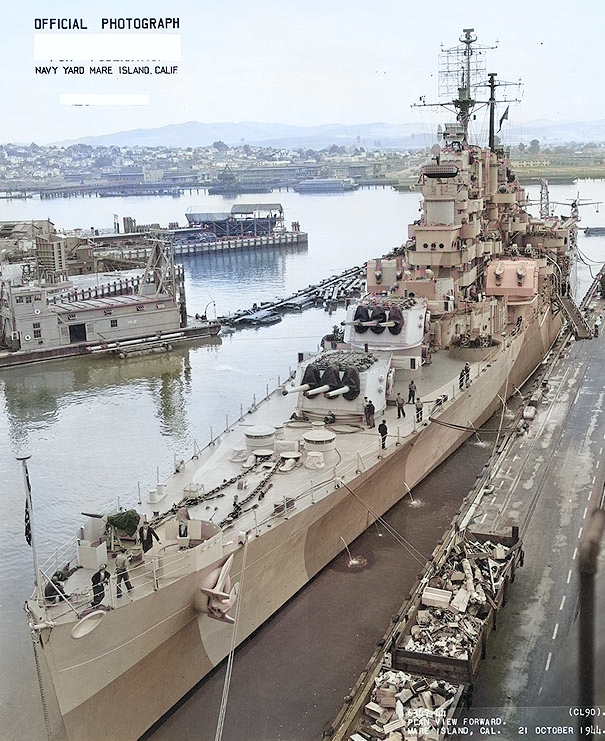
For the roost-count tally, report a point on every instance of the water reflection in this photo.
(263, 272)
(35, 396)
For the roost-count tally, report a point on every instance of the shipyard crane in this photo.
(161, 278)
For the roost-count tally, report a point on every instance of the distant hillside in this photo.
(559, 132)
(195, 134)
(371, 136)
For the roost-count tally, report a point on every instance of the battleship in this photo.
(453, 322)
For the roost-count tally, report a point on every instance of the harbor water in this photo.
(101, 432)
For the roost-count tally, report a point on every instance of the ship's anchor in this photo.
(217, 595)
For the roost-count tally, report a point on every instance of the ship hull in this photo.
(147, 655)
(26, 357)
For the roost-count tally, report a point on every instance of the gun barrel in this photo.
(338, 392)
(295, 389)
(318, 390)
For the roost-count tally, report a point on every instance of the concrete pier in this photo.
(544, 479)
(285, 239)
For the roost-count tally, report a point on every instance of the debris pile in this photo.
(437, 656)
(441, 634)
(404, 706)
(458, 599)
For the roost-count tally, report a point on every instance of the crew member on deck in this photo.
(122, 561)
(146, 536)
(418, 410)
(183, 518)
(99, 579)
(371, 411)
(54, 589)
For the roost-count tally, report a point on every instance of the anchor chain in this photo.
(35, 638)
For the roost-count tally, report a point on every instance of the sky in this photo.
(303, 62)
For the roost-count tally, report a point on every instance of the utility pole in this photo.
(588, 554)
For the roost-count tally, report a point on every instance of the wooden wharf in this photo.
(124, 251)
(281, 239)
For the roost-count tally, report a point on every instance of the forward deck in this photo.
(217, 482)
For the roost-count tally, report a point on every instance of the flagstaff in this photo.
(29, 522)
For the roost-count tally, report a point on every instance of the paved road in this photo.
(529, 677)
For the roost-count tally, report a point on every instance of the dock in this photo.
(538, 488)
(282, 239)
(133, 248)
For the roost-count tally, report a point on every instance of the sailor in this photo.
(400, 406)
(382, 429)
(418, 410)
(467, 374)
(122, 561)
(371, 410)
(461, 379)
(99, 579)
(66, 571)
(146, 536)
(183, 518)
(54, 591)
(366, 410)
(411, 392)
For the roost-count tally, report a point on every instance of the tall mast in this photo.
(461, 70)
(465, 102)
(492, 109)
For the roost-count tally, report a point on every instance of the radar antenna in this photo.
(462, 69)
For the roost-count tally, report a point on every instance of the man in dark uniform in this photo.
(99, 579)
(54, 591)
(371, 410)
(146, 536)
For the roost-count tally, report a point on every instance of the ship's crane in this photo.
(159, 271)
(161, 278)
(547, 210)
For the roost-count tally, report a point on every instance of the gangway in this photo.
(580, 326)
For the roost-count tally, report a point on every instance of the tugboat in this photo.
(454, 322)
